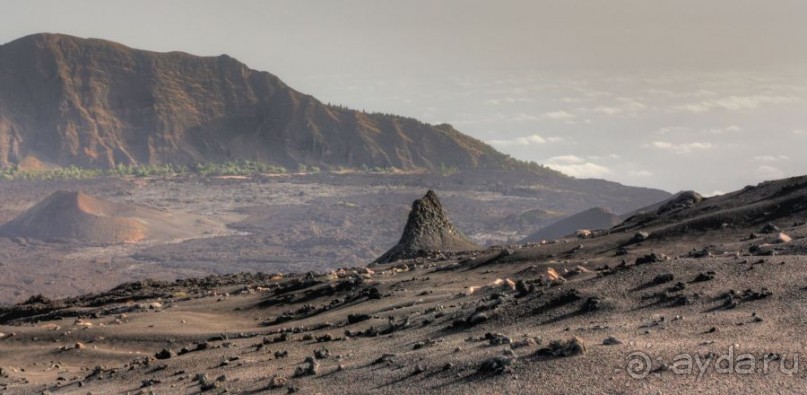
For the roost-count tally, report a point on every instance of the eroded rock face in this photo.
(428, 230)
(94, 103)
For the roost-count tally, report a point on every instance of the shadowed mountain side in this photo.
(427, 230)
(76, 216)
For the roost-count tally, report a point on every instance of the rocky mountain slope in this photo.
(71, 101)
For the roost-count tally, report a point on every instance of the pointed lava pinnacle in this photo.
(428, 230)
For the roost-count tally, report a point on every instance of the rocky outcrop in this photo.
(428, 230)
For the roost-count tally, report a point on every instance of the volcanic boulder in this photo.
(428, 230)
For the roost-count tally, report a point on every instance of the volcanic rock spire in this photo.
(428, 230)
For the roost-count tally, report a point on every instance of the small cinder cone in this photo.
(76, 216)
(428, 230)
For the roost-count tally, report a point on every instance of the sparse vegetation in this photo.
(236, 168)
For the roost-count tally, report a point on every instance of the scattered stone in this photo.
(762, 249)
(526, 342)
(310, 369)
(592, 303)
(356, 318)
(281, 354)
(470, 321)
(523, 288)
(277, 381)
(557, 348)
(164, 354)
(702, 253)
(750, 294)
(496, 365)
(322, 353)
(681, 300)
(419, 368)
(497, 339)
(373, 293)
(679, 286)
(423, 344)
(651, 258)
(639, 237)
(611, 341)
(325, 338)
(569, 296)
(386, 359)
(701, 277)
(202, 346)
(663, 278)
(769, 228)
(783, 238)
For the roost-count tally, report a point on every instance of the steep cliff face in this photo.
(72, 101)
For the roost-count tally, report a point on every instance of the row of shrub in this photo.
(235, 168)
(238, 168)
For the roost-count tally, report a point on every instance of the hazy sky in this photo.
(678, 94)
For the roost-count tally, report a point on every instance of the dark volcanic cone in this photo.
(427, 230)
(69, 215)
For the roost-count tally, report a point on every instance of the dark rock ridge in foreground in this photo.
(71, 101)
(428, 230)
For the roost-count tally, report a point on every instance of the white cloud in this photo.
(672, 129)
(575, 100)
(523, 117)
(576, 166)
(684, 129)
(734, 103)
(625, 108)
(527, 140)
(558, 115)
(800, 131)
(771, 158)
(684, 148)
(640, 173)
(509, 100)
(728, 129)
(767, 172)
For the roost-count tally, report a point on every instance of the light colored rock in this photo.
(783, 238)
